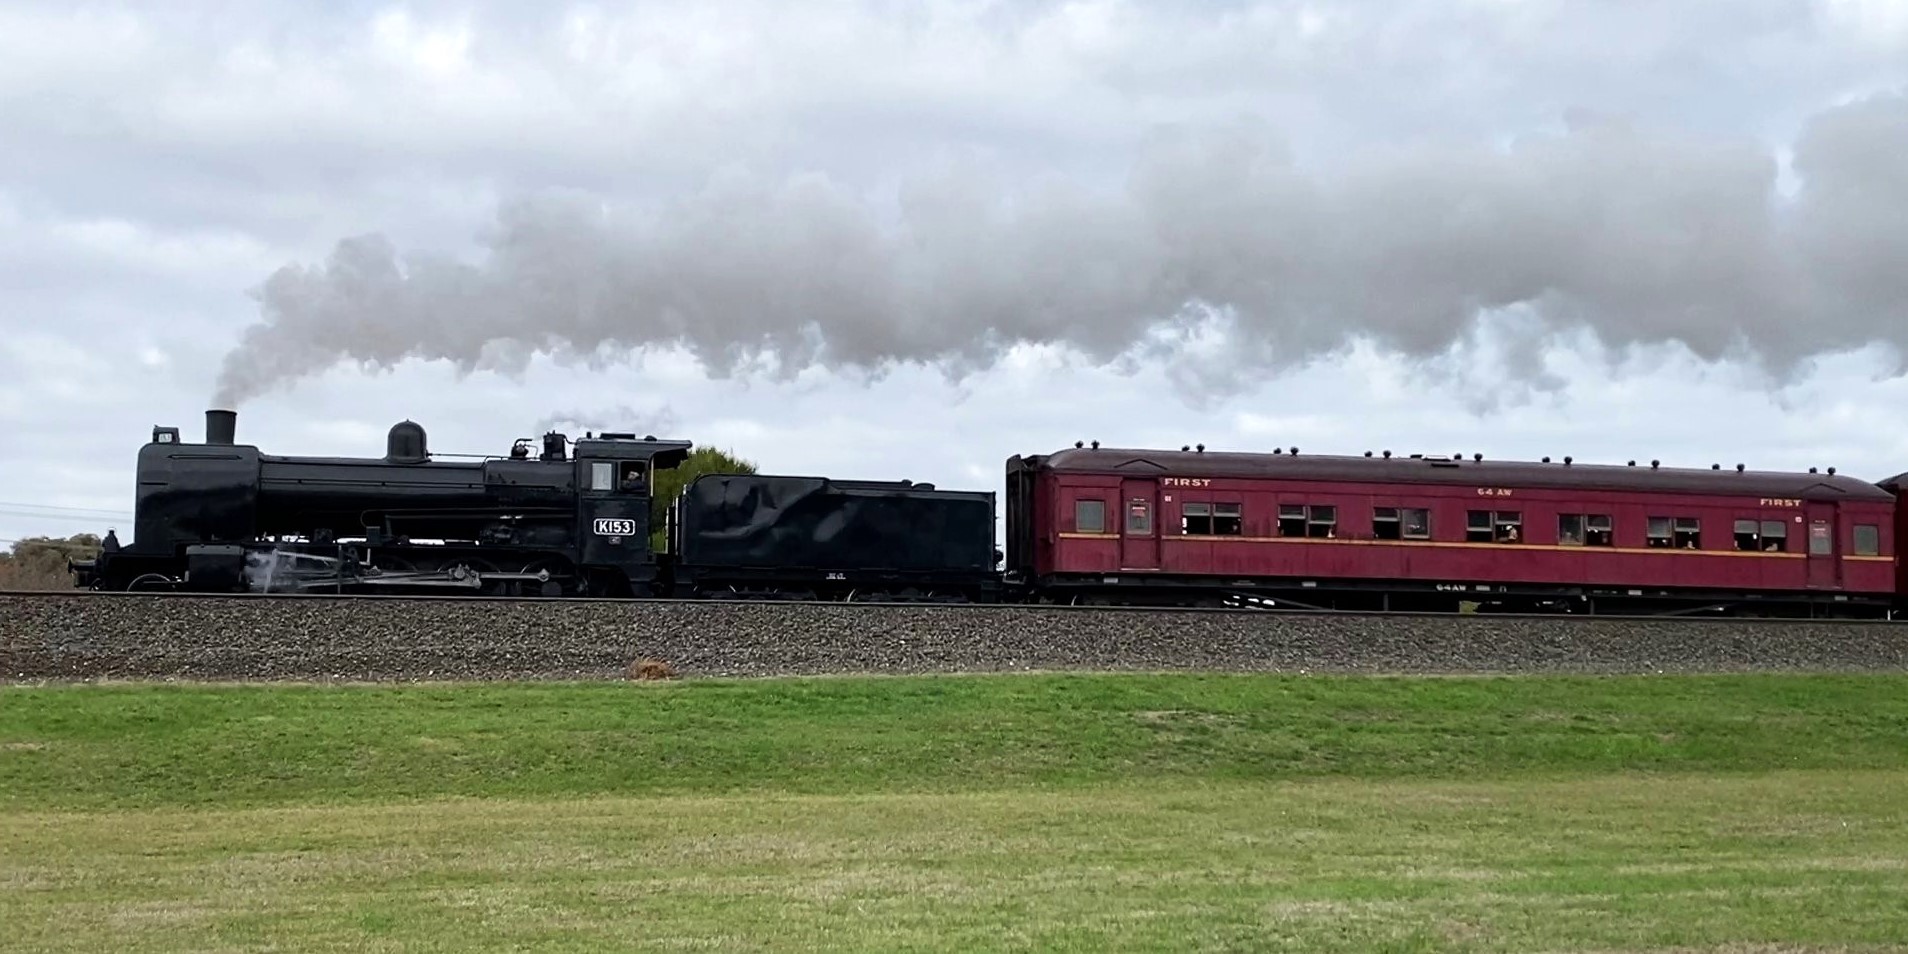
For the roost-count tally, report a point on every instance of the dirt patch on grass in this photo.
(648, 670)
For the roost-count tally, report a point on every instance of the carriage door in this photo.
(1825, 564)
(1139, 524)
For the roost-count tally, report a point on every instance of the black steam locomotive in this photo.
(571, 518)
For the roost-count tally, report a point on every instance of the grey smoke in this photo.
(1643, 236)
(659, 421)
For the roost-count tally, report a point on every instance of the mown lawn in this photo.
(1248, 813)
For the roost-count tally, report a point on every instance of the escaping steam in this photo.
(1640, 236)
(622, 417)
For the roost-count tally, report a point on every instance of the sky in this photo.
(909, 240)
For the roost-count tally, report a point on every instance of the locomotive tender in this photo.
(1083, 525)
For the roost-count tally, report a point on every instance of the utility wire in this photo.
(23, 505)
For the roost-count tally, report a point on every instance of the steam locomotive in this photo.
(561, 517)
(558, 517)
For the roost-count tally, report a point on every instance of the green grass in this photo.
(151, 746)
(1723, 813)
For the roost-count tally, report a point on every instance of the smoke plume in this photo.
(622, 417)
(1642, 236)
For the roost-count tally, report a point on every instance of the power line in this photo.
(29, 505)
(10, 508)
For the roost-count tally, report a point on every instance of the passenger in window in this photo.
(1510, 534)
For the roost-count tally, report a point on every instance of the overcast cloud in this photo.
(910, 240)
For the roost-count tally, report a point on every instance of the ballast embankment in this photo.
(119, 636)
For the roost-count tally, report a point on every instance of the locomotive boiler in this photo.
(562, 518)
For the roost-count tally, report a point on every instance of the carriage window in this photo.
(1323, 522)
(1597, 531)
(1401, 523)
(1578, 529)
(1228, 519)
(1477, 527)
(1139, 516)
(1774, 534)
(1689, 533)
(1291, 520)
(1769, 536)
(1089, 516)
(1386, 524)
(1867, 540)
(1510, 526)
(1682, 533)
(1195, 519)
(1417, 523)
(1660, 536)
(602, 475)
(1494, 526)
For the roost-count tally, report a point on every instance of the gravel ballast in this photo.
(122, 636)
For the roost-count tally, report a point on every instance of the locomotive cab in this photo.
(614, 483)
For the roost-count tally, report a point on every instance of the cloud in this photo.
(1642, 236)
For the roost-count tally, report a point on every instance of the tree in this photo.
(668, 485)
(39, 563)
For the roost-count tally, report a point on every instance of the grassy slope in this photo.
(128, 746)
(1059, 813)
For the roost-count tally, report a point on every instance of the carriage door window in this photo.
(602, 475)
(1821, 540)
(1139, 517)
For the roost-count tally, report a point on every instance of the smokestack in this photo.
(220, 426)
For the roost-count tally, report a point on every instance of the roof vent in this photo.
(1811, 470)
(1096, 445)
(1294, 452)
(1655, 464)
(1546, 458)
(1184, 448)
(1568, 460)
(1368, 453)
(1715, 466)
(1079, 444)
(1477, 457)
(1201, 448)
(1387, 455)
(1632, 463)
(1278, 450)
(1738, 468)
(1831, 471)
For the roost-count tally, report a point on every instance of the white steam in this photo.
(1640, 236)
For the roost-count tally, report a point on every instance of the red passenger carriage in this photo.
(1190, 527)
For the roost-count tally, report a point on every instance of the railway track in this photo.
(957, 608)
(82, 635)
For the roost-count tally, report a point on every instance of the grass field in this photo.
(1739, 813)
